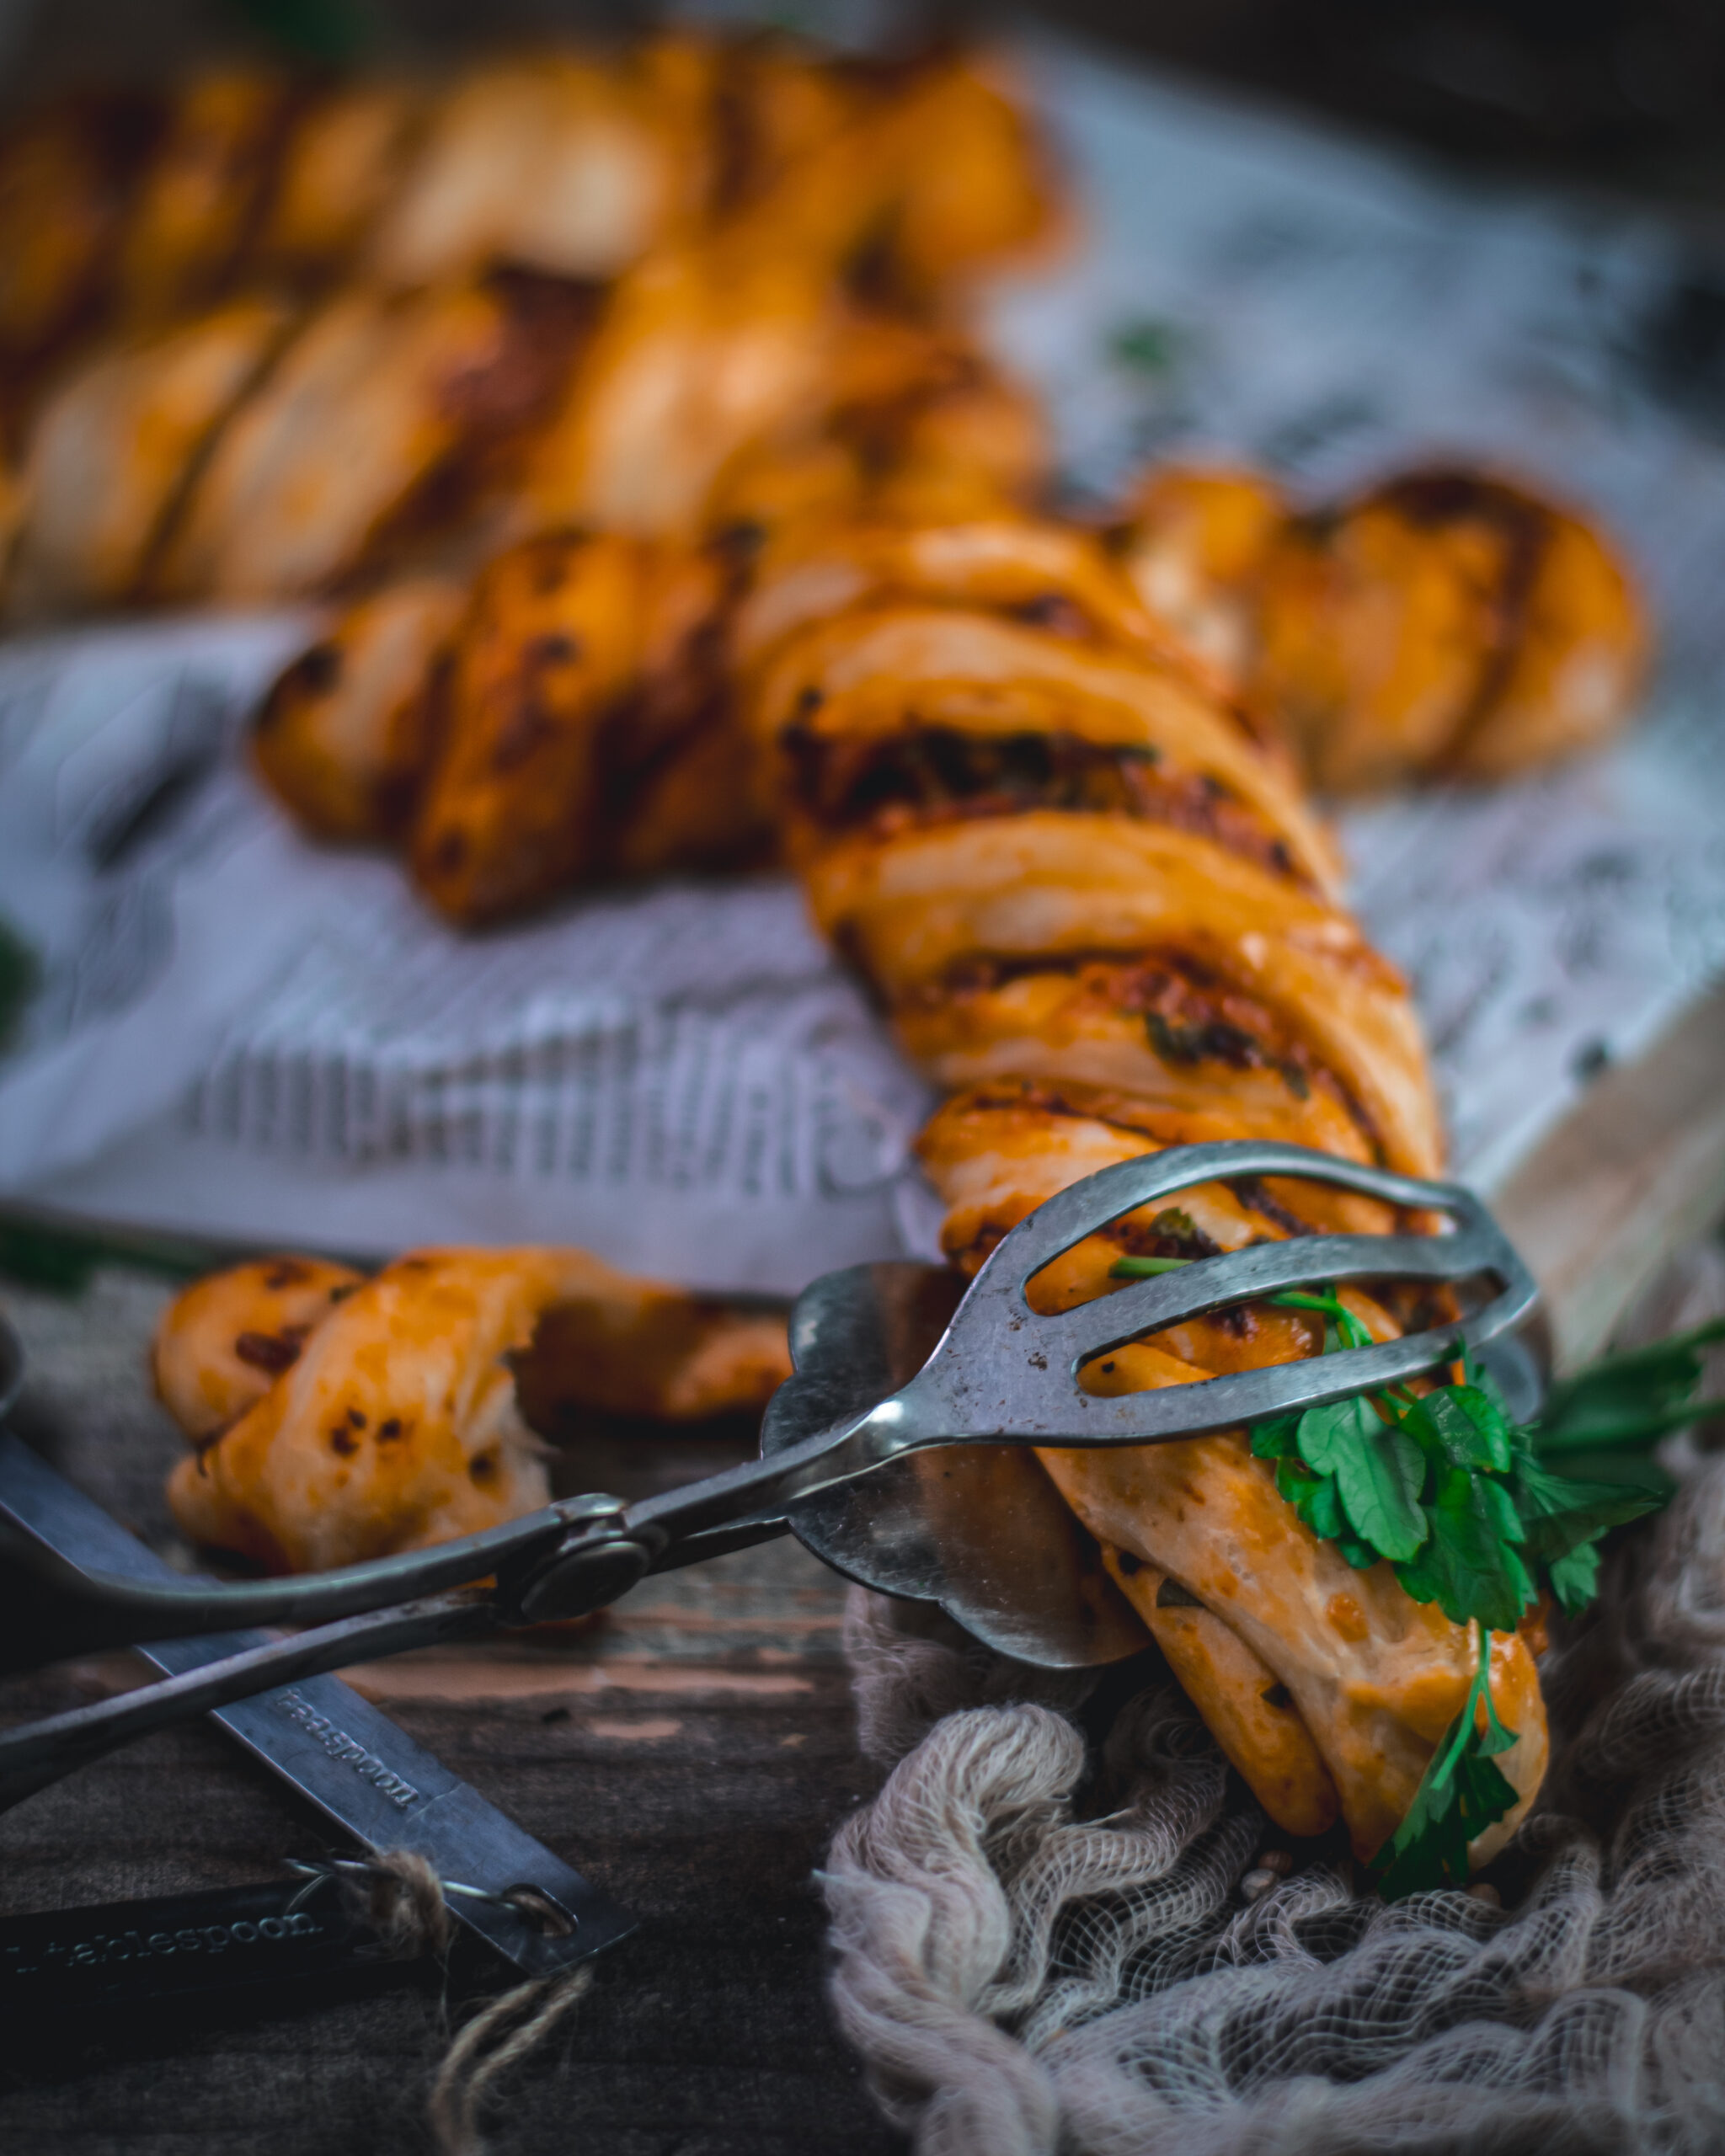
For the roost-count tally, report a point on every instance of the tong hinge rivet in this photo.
(574, 1581)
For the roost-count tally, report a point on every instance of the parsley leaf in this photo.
(1575, 1576)
(1475, 1515)
(1464, 1424)
(1146, 346)
(1313, 1496)
(1276, 1438)
(1566, 1517)
(1460, 1794)
(1632, 1399)
(1379, 1472)
(1467, 1567)
(1429, 1849)
(1468, 1506)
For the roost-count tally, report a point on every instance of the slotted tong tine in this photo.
(1002, 1365)
(1002, 1373)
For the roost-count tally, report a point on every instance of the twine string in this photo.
(399, 1895)
(496, 2039)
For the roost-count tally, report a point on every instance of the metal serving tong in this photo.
(900, 1451)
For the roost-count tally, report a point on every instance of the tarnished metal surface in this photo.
(364, 1774)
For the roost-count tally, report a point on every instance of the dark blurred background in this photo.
(1623, 92)
(1627, 94)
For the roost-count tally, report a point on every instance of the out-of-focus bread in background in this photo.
(268, 339)
(271, 339)
(1447, 622)
(114, 447)
(344, 735)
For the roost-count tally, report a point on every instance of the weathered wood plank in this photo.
(1634, 1172)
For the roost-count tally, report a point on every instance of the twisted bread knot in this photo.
(1090, 901)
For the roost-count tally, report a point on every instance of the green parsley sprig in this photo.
(1460, 1794)
(1465, 1504)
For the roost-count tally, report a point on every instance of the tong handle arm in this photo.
(106, 1610)
(758, 1495)
(749, 1503)
(33, 1757)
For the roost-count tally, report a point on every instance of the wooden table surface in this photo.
(694, 1754)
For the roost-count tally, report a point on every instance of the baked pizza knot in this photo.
(267, 338)
(1447, 622)
(337, 1417)
(1091, 902)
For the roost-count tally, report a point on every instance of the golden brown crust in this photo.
(1377, 1678)
(995, 1151)
(223, 1341)
(1193, 540)
(111, 449)
(1021, 567)
(1250, 1712)
(969, 181)
(654, 1352)
(1069, 861)
(1574, 665)
(65, 174)
(1447, 622)
(675, 782)
(549, 648)
(1373, 1677)
(397, 1427)
(923, 912)
(762, 219)
(1058, 655)
(551, 161)
(701, 348)
(396, 1414)
(347, 732)
(196, 204)
(343, 160)
(378, 419)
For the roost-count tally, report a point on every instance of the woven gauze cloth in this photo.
(1041, 1945)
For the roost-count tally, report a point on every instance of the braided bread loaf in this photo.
(1093, 905)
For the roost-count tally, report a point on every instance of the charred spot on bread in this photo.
(1191, 1015)
(527, 728)
(1251, 1193)
(928, 774)
(271, 1352)
(1056, 611)
(1171, 1233)
(449, 850)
